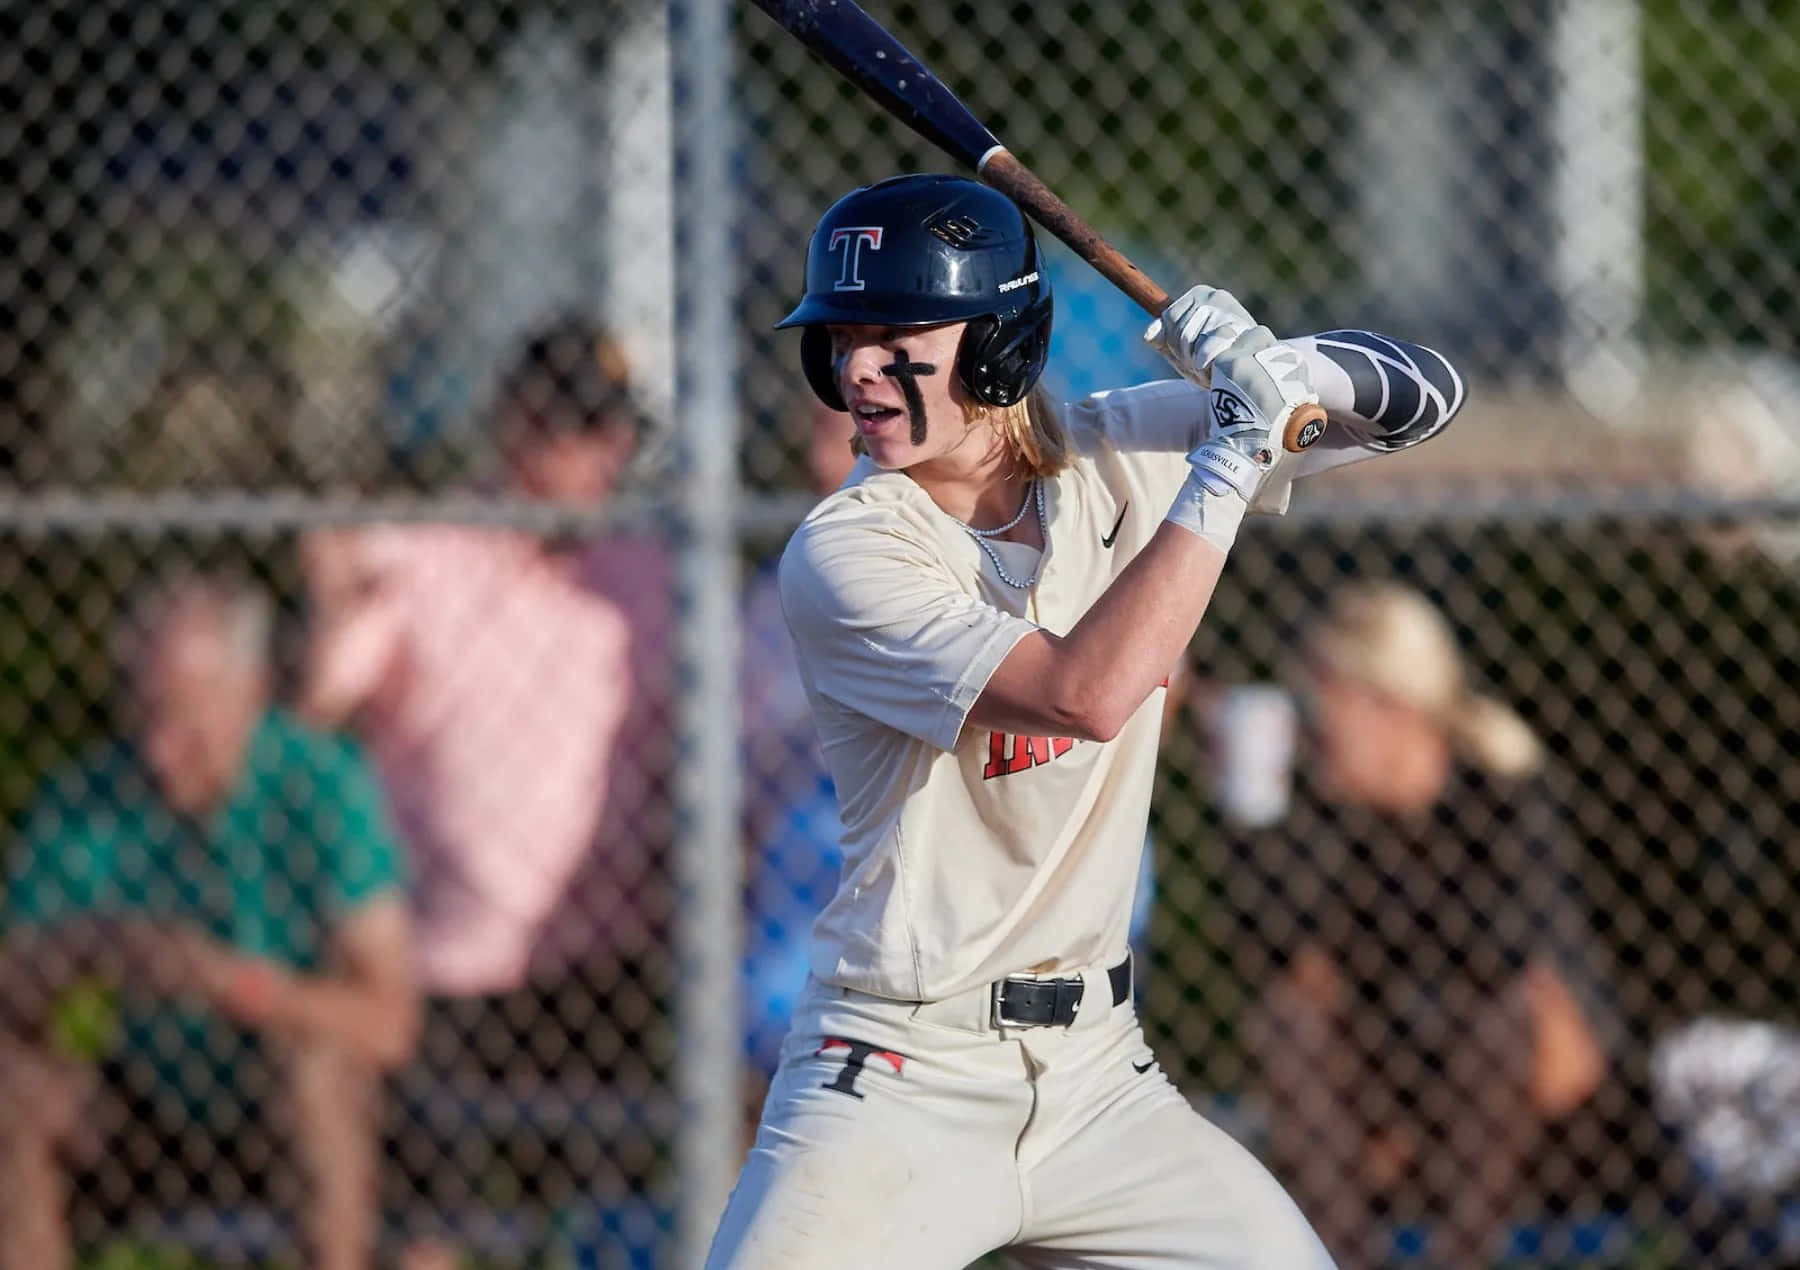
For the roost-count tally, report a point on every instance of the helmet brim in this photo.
(851, 308)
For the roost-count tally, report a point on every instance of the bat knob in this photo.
(1304, 427)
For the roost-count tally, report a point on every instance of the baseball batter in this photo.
(986, 614)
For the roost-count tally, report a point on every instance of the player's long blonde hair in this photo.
(1032, 430)
(1392, 639)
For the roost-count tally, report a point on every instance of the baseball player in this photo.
(985, 614)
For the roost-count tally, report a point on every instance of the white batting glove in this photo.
(1195, 329)
(1256, 384)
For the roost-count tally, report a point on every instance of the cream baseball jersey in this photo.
(970, 855)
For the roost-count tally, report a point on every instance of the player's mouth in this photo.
(872, 417)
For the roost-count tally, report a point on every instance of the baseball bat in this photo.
(863, 51)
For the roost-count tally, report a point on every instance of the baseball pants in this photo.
(922, 1136)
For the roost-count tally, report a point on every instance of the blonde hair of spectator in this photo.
(1392, 639)
(242, 611)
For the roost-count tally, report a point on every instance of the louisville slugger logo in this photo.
(1230, 410)
(852, 239)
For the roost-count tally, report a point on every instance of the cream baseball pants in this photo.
(922, 1136)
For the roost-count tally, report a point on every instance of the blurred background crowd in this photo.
(362, 707)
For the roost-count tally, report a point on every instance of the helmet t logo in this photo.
(851, 238)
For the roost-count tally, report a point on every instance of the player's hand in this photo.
(1195, 329)
(1256, 384)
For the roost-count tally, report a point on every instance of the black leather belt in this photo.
(1023, 1002)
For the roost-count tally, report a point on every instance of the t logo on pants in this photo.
(857, 1054)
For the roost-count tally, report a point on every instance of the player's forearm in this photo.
(1088, 683)
(1124, 646)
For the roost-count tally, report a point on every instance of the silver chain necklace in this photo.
(981, 537)
(1024, 506)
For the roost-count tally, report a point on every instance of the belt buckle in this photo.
(1062, 990)
(996, 1000)
(1000, 1017)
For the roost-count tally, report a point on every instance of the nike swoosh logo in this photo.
(1140, 1070)
(1108, 540)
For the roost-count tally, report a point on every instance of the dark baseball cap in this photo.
(572, 373)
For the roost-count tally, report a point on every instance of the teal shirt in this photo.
(303, 840)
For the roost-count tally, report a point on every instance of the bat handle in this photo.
(1002, 171)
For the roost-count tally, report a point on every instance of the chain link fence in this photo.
(352, 643)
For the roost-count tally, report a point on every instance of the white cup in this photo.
(1254, 732)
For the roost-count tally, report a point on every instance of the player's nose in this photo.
(861, 363)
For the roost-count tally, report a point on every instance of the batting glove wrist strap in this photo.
(1211, 513)
(1225, 467)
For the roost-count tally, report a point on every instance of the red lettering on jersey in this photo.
(996, 764)
(1009, 753)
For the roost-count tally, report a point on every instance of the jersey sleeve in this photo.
(882, 628)
(1164, 416)
(359, 854)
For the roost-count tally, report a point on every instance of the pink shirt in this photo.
(628, 879)
(493, 683)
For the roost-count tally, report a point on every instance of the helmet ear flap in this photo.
(998, 361)
(815, 360)
(972, 357)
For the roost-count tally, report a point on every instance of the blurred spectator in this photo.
(210, 902)
(514, 692)
(1427, 1019)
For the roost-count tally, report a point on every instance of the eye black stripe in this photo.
(907, 372)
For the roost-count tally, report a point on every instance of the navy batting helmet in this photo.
(923, 250)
